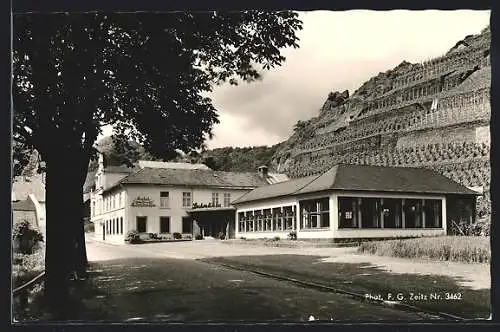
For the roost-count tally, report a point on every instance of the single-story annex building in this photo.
(354, 202)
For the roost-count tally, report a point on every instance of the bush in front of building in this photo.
(292, 235)
(276, 238)
(133, 237)
(26, 237)
(177, 236)
(198, 237)
(466, 249)
(480, 228)
(89, 227)
(221, 236)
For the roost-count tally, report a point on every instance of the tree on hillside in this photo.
(145, 74)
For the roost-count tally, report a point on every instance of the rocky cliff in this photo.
(433, 114)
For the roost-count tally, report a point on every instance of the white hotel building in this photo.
(166, 198)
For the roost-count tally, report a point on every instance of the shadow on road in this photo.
(435, 293)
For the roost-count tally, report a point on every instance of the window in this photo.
(250, 221)
(164, 200)
(227, 199)
(241, 221)
(277, 219)
(289, 216)
(370, 212)
(120, 200)
(93, 208)
(268, 220)
(186, 200)
(259, 227)
(392, 212)
(348, 212)
(433, 213)
(164, 224)
(215, 199)
(121, 225)
(187, 225)
(315, 213)
(141, 224)
(413, 213)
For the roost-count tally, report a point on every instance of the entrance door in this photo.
(141, 224)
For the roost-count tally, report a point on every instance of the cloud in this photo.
(338, 51)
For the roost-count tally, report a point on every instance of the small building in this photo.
(353, 202)
(30, 191)
(24, 210)
(167, 198)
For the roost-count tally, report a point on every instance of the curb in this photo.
(389, 304)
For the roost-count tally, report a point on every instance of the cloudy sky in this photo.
(338, 51)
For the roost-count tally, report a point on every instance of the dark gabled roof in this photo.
(192, 177)
(25, 205)
(364, 178)
(276, 190)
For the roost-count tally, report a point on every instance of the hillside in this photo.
(433, 114)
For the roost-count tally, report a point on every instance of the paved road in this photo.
(145, 282)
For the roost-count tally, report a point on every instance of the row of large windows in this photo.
(315, 213)
(353, 212)
(267, 220)
(114, 226)
(357, 212)
(187, 201)
(164, 226)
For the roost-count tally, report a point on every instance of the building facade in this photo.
(352, 202)
(167, 198)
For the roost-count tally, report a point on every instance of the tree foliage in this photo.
(246, 159)
(146, 74)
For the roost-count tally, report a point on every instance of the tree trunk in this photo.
(59, 236)
(65, 248)
(80, 249)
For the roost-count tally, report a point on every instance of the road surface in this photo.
(165, 282)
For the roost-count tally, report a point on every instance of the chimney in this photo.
(262, 170)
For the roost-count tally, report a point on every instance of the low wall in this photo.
(386, 233)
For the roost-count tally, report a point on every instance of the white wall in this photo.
(175, 211)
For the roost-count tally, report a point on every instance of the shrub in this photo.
(468, 249)
(221, 236)
(89, 227)
(26, 267)
(276, 238)
(153, 236)
(177, 236)
(480, 228)
(26, 237)
(187, 236)
(292, 235)
(198, 237)
(243, 238)
(133, 237)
